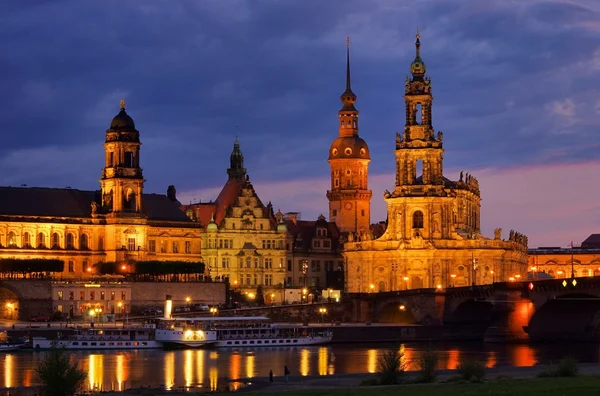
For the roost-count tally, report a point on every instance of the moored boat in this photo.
(99, 338)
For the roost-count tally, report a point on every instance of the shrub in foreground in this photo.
(471, 370)
(428, 364)
(58, 375)
(390, 367)
(567, 367)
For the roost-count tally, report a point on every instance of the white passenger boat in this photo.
(11, 346)
(99, 338)
(238, 332)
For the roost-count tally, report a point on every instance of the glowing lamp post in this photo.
(405, 282)
(214, 311)
(371, 288)
(323, 312)
(453, 276)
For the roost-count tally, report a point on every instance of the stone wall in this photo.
(152, 294)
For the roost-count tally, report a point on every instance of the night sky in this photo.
(516, 87)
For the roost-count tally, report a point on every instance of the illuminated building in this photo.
(433, 234)
(242, 240)
(349, 157)
(119, 223)
(559, 262)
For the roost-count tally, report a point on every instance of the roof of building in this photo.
(593, 241)
(122, 122)
(73, 203)
(303, 231)
(346, 147)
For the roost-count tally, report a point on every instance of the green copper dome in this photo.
(417, 67)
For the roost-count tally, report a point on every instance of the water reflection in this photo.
(209, 368)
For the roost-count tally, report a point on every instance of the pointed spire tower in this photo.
(349, 196)
(236, 163)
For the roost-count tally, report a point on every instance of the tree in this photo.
(57, 375)
(260, 296)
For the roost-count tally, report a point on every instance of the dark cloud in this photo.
(195, 74)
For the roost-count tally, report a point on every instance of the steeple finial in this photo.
(122, 103)
(348, 89)
(418, 43)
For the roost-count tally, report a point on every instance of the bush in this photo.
(428, 363)
(471, 370)
(57, 375)
(567, 367)
(390, 367)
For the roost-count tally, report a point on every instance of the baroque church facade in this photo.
(242, 240)
(433, 238)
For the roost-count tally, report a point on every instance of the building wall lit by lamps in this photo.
(580, 260)
(433, 226)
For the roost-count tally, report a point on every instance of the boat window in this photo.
(251, 342)
(281, 341)
(75, 343)
(287, 341)
(295, 341)
(237, 342)
(93, 344)
(84, 343)
(102, 343)
(259, 342)
(128, 343)
(144, 343)
(111, 343)
(244, 342)
(119, 343)
(228, 342)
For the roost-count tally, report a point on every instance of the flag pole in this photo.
(572, 266)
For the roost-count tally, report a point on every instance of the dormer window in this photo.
(321, 232)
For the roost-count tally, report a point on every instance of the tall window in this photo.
(55, 241)
(129, 159)
(418, 219)
(100, 243)
(83, 242)
(70, 241)
(188, 247)
(224, 262)
(41, 240)
(152, 246)
(175, 247)
(26, 240)
(268, 262)
(268, 280)
(12, 239)
(71, 266)
(131, 244)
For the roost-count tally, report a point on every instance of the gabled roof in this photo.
(73, 203)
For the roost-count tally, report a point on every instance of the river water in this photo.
(206, 368)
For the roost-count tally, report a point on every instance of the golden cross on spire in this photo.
(122, 104)
(347, 42)
(418, 35)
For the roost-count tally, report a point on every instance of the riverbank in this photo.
(498, 381)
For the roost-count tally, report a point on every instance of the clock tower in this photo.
(349, 196)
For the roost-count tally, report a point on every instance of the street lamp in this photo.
(371, 287)
(213, 311)
(493, 278)
(402, 307)
(304, 291)
(304, 270)
(273, 298)
(323, 312)
(453, 276)
(92, 313)
(405, 282)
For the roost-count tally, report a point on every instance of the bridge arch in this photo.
(397, 311)
(10, 302)
(471, 311)
(569, 316)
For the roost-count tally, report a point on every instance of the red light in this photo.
(530, 286)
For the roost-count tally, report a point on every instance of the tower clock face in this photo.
(348, 206)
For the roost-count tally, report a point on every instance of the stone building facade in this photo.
(119, 223)
(564, 262)
(349, 196)
(313, 252)
(433, 234)
(243, 242)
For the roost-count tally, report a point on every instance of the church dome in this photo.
(122, 122)
(281, 227)
(212, 226)
(349, 147)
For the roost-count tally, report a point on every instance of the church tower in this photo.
(236, 168)
(419, 152)
(349, 196)
(122, 181)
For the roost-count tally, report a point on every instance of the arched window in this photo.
(70, 241)
(418, 219)
(55, 241)
(12, 239)
(26, 240)
(83, 242)
(129, 204)
(41, 240)
(381, 286)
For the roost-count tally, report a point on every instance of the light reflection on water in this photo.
(208, 368)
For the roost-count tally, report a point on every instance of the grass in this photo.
(580, 386)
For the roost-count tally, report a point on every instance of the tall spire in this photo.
(348, 114)
(348, 89)
(417, 67)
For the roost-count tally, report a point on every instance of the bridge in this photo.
(554, 309)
